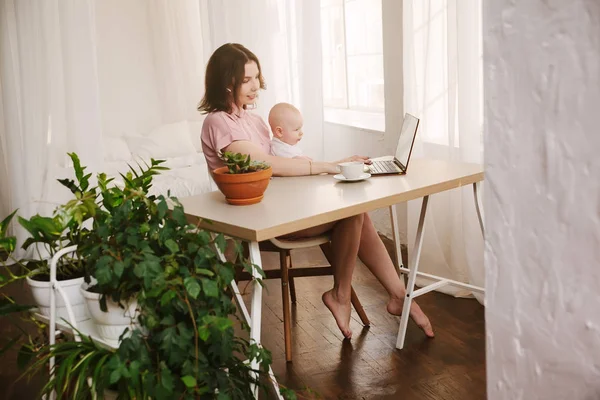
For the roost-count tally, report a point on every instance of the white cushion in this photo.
(169, 140)
(116, 149)
(195, 133)
(184, 161)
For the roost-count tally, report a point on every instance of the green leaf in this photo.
(168, 296)
(5, 222)
(204, 271)
(144, 228)
(69, 184)
(139, 269)
(223, 396)
(168, 320)
(115, 376)
(8, 244)
(29, 227)
(167, 379)
(210, 287)
(172, 246)
(203, 333)
(24, 356)
(162, 209)
(76, 166)
(119, 268)
(189, 381)
(221, 242)
(134, 370)
(103, 271)
(223, 324)
(192, 286)
(8, 306)
(226, 273)
(49, 227)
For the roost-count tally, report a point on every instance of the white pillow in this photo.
(185, 161)
(116, 149)
(169, 140)
(195, 133)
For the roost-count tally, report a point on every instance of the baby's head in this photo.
(286, 123)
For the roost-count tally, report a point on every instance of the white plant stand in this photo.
(70, 327)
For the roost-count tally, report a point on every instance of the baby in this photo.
(286, 124)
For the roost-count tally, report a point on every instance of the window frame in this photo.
(342, 113)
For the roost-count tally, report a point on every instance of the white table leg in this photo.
(412, 275)
(256, 304)
(478, 207)
(396, 233)
(254, 319)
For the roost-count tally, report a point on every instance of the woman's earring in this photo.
(229, 90)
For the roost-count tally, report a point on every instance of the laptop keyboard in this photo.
(383, 167)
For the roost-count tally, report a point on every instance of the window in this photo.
(352, 43)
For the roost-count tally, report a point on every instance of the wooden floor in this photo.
(451, 366)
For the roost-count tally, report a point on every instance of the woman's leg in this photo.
(374, 255)
(345, 240)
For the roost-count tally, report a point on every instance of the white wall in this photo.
(340, 141)
(542, 103)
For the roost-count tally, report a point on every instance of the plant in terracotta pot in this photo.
(243, 181)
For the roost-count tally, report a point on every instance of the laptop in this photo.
(399, 163)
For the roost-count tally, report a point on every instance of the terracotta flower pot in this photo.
(242, 189)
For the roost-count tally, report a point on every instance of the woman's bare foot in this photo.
(340, 311)
(395, 305)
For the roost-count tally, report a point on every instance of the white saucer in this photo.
(341, 177)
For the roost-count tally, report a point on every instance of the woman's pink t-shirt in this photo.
(220, 129)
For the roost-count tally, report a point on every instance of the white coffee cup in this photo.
(352, 169)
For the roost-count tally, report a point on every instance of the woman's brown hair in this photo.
(226, 67)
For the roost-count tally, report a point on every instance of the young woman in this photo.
(233, 80)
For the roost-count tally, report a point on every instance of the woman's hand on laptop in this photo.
(364, 159)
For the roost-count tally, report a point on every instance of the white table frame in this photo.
(227, 225)
(413, 270)
(253, 319)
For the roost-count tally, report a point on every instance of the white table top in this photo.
(294, 203)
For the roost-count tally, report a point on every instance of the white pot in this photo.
(41, 294)
(112, 323)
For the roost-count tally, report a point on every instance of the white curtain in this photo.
(285, 36)
(48, 95)
(443, 87)
(73, 72)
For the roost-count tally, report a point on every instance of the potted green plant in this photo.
(48, 235)
(8, 306)
(120, 244)
(183, 345)
(243, 181)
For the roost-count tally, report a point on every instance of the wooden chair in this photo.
(287, 274)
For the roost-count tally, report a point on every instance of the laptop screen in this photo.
(407, 135)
